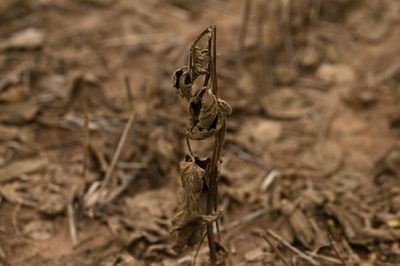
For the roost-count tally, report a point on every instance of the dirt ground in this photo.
(311, 161)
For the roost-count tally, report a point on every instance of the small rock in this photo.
(309, 57)
(285, 75)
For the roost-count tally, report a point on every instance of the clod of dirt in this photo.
(285, 74)
(254, 255)
(52, 204)
(370, 24)
(285, 103)
(336, 74)
(361, 98)
(324, 159)
(261, 131)
(309, 57)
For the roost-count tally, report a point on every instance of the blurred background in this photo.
(92, 133)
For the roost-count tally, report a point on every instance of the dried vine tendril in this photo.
(207, 116)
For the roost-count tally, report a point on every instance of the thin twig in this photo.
(327, 123)
(117, 153)
(244, 26)
(335, 249)
(129, 94)
(86, 143)
(198, 249)
(14, 219)
(189, 147)
(244, 220)
(119, 190)
(292, 248)
(214, 61)
(276, 250)
(387, 74)
(269, 179)
(189, 258)
(71, 219)
(325, 259)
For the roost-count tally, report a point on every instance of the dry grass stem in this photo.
(292, 248)
(117, 153)
(72, 221)
(276, 250)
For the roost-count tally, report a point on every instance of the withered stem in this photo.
(212, 169)
(86, 141)
(214, 61)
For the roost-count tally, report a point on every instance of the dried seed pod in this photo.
(192, 183)
(190, 223)
(206, 114)
(182, 80)
(225, 108)
(200, 60)
(189, 228)
(203, 113)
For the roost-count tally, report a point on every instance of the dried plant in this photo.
(198, 211)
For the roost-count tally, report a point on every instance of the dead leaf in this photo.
(183, 81)
(29, 39)
(14, 93)
(10, 193)
(254, 255)
(189, 228)
(8, 133)
(338, 74)
(18, 168)
(38, 230)
(18, 112)
(299, 222)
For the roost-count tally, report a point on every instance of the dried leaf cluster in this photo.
(207, 118)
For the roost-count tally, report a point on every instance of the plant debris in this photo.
(305, 172)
